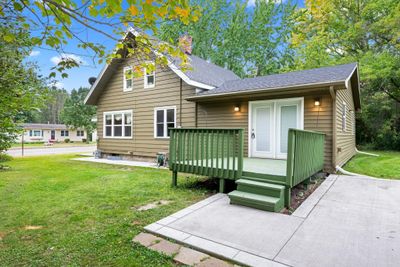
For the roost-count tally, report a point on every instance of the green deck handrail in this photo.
(305, 155)
(216, 152)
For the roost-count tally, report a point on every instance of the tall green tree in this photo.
(20, 87)
(248, 41)
(76, 114)
(54, 23)
(366, 31)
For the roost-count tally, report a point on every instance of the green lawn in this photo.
(87, 212)
(387, 165)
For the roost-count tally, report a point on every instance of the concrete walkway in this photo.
(347, 221)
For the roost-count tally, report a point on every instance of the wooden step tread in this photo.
(260, 184)
(261, 199)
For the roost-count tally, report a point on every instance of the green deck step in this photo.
(261, 188)
(256, 201)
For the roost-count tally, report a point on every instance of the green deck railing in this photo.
(207, 151)
(305, 155)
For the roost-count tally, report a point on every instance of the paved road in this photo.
(51, 151)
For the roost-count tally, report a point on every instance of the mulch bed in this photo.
(301, 192)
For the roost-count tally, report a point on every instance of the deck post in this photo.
(174, 178)
(221, 185)
(287, 197)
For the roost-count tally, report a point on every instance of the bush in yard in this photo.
(67, 140)
(84, 140)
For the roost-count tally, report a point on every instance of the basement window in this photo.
(164, 118)
(117, 124)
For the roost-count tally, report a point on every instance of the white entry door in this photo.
(269, 123)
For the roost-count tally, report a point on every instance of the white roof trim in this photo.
(346, 82)
(186, 79)
(96, 82)
(172, 66)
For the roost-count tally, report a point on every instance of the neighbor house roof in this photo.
(325, 76)
(44, 126)
(202, 74)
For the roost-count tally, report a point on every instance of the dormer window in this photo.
(128, 79)
(150, 76)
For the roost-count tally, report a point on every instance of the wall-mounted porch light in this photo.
(317, 102)
(237, 108)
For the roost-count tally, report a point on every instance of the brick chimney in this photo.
(185, 43)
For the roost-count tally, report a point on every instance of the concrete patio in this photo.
(347, 221)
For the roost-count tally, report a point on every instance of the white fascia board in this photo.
(346, 82)
(96, 82)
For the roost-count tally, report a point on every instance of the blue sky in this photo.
(77, 77)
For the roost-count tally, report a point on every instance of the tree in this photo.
(248, 42)
(55, 23)
(366, 31)
(76, 114)
(20, 87)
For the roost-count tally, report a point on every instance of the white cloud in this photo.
(78, 59)
(252, 3)
(56, 84)
(34, 53)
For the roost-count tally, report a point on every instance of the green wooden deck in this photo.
(262, 183)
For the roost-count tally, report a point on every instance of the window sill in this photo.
(127, 90)
(161, 137)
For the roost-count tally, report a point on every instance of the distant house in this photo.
(40, 132)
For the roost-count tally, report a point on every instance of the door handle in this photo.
(253, 135)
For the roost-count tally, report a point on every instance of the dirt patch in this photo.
(301, 192)
(33, 227)
(2, 235)
(153, 205)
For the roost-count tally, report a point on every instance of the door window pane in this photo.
(263, 129)
(288, 120)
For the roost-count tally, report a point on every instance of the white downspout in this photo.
(366, 153)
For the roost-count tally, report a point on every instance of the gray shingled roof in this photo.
(44, 126)
(208, 73)
(324, 75)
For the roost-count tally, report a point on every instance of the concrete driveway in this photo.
(347, 221)
(51, 151)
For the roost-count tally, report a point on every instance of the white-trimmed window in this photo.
(149, 76)
(344, 115)
(117, 124)
(36, 133)
(80, 133)
(64, 133)
(164, 118)
(128, 79)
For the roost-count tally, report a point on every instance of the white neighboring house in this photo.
(41, 132)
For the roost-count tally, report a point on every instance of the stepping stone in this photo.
(189, 256)
(213, 262)
(146, 239)
(166, 247)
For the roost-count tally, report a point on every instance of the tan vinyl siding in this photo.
(142, 102)
(221, 114)
(345, 139)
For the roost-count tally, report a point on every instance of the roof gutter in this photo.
(285, 88)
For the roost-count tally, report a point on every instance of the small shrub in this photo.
(4, 157)
(84, 140)
(67, 140)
